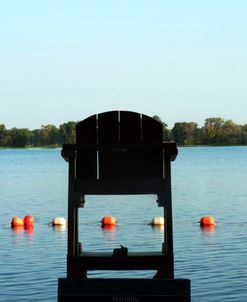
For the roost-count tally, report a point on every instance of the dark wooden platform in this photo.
(123, 290)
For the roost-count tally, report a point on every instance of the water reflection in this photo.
(18, 229)
(59, 228)
(29, 229)
(109, 232)
(207, 228)
(158, 228)
(22, 232)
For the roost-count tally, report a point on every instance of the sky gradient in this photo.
(65, 60)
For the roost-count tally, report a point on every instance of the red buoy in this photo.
(28, 220)
(17, 222)
(108, 221)
(207, 221)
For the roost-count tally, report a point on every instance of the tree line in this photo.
(215, 131)
(46, 136)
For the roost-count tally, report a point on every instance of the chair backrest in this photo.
(119, 145)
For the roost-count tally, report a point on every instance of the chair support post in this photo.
(168, 219)
(72, 220)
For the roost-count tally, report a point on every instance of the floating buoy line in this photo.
(107, 222)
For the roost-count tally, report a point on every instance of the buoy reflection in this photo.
(207, 228)
(158, 228)
(59, 228)
(109, 232)
(18, 229)
(29, 229)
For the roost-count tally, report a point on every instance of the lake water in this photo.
(205, 181)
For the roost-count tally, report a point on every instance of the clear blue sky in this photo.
(65, 60)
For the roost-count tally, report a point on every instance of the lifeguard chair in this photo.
(120, 152)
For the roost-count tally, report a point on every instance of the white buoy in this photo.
(59, 221)
(158, 221)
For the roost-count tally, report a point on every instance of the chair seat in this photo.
(120, 186)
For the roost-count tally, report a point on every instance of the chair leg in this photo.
(166, 270)
(74, 270)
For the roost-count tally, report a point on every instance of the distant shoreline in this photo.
(215, 132)
(32, 147)
(60, 147)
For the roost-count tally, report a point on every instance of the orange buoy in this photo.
(28, 220)
(207, 221)
(108, 221)
(17, 222)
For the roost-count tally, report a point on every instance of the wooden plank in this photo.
(86, 131)
(68, 151)
(124, 163)
(131, 163)
(124, 290)
(117, 147)
(130, 127)
(86, 164)
(120, 186)
(86, 161)
(108, 127)
(170, 151)
(108, 130)
(139, 261)
(152, 131)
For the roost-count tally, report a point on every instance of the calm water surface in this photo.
(206, 181)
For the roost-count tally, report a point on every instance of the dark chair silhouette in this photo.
(120, 152)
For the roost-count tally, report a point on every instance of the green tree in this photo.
(19, 137)
(231, 133)
(49, 135)
(186, 133)
(244, 134)
(3, 135)
(221, 132)
(212, 130)
(67, 132)
(36, 138)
